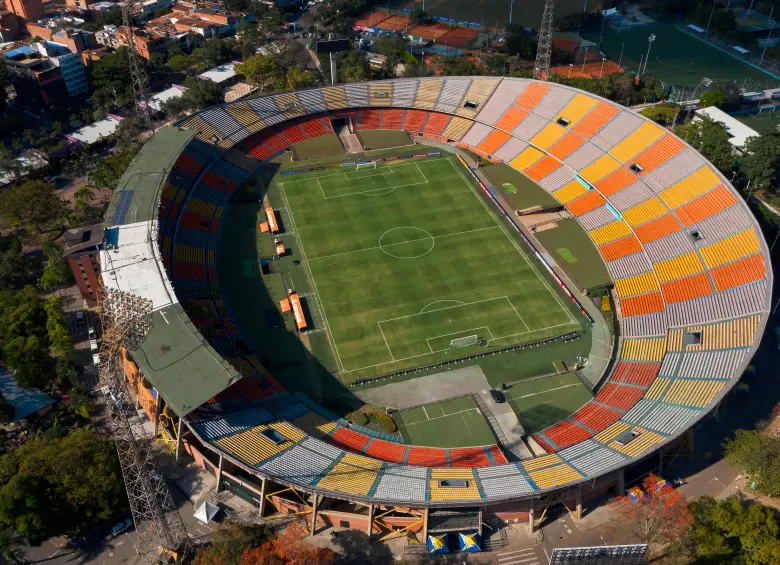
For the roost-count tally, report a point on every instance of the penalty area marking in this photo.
(460, 303)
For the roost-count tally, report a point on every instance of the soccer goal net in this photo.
(464, 341)
(371, 165)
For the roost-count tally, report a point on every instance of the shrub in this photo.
(605, 306)
(387, 422)
(358, 418)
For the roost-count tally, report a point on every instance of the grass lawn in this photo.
(319, 147)
(521, 191)
(575, 253)
(405, 258)
(382, 139)
(761, 122)
(540, 403)
(452, 423)
(676, 57)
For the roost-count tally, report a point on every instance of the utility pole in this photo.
(544, 51)
(139, 80)
(511, 5)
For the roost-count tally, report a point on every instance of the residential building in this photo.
(69, 63)
(9, 26)
(81, 248)
(208, 20)
(158, 99)
(77, 5)
(76, 40)
(149, 8)
(38, 81)
(27, 10)
(107, 37)
(147, 41)
(223, 75)
(99, 7)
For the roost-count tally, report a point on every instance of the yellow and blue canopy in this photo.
(469, 542)
(437, 544)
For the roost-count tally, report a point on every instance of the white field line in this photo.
(401, 243)
(388, 190)
(545, 391)
(446, 308)
(313, 282)
(492, 215)
(439, 417)
(456, 333)
(460, 303)
(387, 344)
(341, 172)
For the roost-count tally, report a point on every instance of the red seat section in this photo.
(620, 396)
(498, 455)
(392, 118)
(427, 457)
(415, 120)
(369, 119)
(313, 128)
(293, 134)
(641, 374)
(436, 123)
(595, 416)
(544, 443)
(566, 433)
(350, 439)
(386, 451)
(469, 457)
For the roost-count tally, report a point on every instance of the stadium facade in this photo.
(691, 269)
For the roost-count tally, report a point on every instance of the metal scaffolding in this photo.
(544, 51)
(126, 321)
(139, 80)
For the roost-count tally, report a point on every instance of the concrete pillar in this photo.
(179, 438)
(579, 502)
(620, 483)
(370, 528)
(531, 519)
(157, 410)
(262, 497)
(314, 514)
(479, 529)
(425, 526)
(219, 472)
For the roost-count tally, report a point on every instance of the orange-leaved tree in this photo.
(660, 516)
(288, 548)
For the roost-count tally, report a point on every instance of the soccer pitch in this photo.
(405, 258)
(452, 423)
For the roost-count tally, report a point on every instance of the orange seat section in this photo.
(620, 248)
(708, 204)
(493, 141)
(656, 229)
(586, 203)
(615, 182)
(565, 146)
(532, 95)
(642, 304)
(542, 168)
(596, 119)
(657, 154)
(743, 271)
(687, 288)
(511, 118)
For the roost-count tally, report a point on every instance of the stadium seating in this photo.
(690, 270)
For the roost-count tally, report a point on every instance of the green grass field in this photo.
(452, 423)
(317, 148)
(539, 403)
(676, 57)
(519, 190)
(405, 258)
(761, 122)
(494, 13)
(383, 139)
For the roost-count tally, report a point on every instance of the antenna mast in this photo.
(138, 77)
(544, 50)
(126, 321)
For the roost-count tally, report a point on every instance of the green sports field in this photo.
(452, 423)
(676, 57)
(540, 403)
(406, 260)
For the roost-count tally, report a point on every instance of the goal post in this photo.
(369, 165)
(464, 341)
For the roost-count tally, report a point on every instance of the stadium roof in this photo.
(174, 357)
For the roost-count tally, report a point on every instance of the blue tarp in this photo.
(26, 401)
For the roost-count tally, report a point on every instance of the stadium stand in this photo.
(691, 272)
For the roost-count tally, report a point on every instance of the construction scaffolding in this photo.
(139, 80)
(162, 537)
(544, 50)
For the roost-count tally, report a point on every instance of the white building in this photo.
(157, 100)
(97, 131)
(738, 132)
(107, 36)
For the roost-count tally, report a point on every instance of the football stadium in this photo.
(297, 259)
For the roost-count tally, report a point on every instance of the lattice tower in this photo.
(139, 80)
(126, 321)
(544, 50)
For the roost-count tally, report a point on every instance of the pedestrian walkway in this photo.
(524, 556)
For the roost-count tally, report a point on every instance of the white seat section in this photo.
(660, 417)
(312, 101)
(628, 266)
(596, 218)
(530, 126)
(505, 480)
(620, 126)
(733, 303)
(510, 149)
(502, 98)
(721, 225)
(597, 461)
(357, 94)
(476, 134)
(553, 102)
(559, 178)
(710, 364)
(583, 157)
(404, 92)
(222, 120)
(630, 196)
(669, 365)
(646, 325)
(452, 93)
(673, 245)
(579, 449)
(267, 110)
(402, 482)
(674, 170)
(298, 465)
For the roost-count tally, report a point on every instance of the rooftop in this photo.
(175, 91)
(219, 74)
(96, 131)
(738, 132)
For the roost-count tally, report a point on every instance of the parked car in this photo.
(497, 396)
(93, 345)
(91, 332)
(122, 526)
(96, 359)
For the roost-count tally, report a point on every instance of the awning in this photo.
(206, 512)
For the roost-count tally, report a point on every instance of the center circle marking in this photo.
(414, 235)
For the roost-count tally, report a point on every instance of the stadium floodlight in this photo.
(464, 341)
(369, 165)
(647, 58)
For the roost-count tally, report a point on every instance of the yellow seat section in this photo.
(477, 93)
(657, 389)
(576, 109)
(541, 462)
(727, 335)
(599, 168)
(573, 190)
(690, 187)
(693, 392)
(638, 284)
(679, 267)
(289, 104)
(527, 158)
(189, 254)
(197, 206)
(638, 445)
(380, 93)
(675, 339)
(207, 132)
(335, 97)
(636, 142)
(348, 478)
(554, 476)
(645, 211)
(244, 115)
(457, 128)
(211, 257)
(731, 248)
(610, 232)
(361, 461)
(453, 493)
(610, 433)
(651, 349)
(252, 447)
(314, 425)
(428, 94)
(550, 134)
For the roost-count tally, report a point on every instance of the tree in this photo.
(179, 63)
(80, 403)
(57, 329)
(519, 43)
(725, 531)
(418, 16)
(712, 98)
(711, 140)
(229, 542)
(760, 162)
(296, 78)
(759, 456)
(660, 517)
(664, 113)
(27, 357)
(57, 270)
(287, 548)
(4, 81)
(62, 486)
(32, 204)
(259, 70)
(109, 170)
(16, 269)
